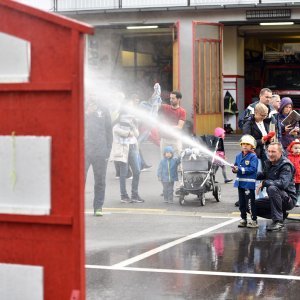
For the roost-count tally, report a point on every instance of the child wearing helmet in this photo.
(220, 133)
(245, 167)
(167, 173)
(294, 157)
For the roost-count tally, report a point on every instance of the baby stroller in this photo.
(198, 172)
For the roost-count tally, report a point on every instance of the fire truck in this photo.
(278, 70)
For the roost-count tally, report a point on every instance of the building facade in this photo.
(206, 49)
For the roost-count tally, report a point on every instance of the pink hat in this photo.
(219, 132)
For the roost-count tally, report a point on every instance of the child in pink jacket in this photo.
(220, 133)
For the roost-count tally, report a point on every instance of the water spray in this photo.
(171, 131)
(111, 97)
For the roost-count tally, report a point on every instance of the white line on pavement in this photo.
(171, 244)
(210, 273)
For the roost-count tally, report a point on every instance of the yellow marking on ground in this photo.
(134, 209)
(162, 212)
(290, 215)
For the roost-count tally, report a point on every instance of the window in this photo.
(14, 59)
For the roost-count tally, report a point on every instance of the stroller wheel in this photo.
(181, 200)
(217, 192)
(201, 197)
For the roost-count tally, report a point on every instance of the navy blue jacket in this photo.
(167, 169)
(247, 170)
(280, 175)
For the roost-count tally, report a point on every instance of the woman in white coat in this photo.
(125, 153)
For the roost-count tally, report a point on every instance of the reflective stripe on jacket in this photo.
(247, 169)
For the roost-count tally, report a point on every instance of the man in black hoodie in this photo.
(98, 143)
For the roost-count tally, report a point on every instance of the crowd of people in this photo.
(117, 136)
(267, 168)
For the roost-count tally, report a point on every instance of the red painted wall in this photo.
(51, 104)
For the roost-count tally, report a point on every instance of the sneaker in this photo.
(129, 177)
(117, 177)
(237, 204)
(137, 199)
(243, 223)
(252, 224)
(145, 168)
(126, 200)
(98, 212)
(227, 180)
(275, 226)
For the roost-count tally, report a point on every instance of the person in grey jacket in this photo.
(98, 143)
(277, 178)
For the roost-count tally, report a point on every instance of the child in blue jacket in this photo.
(245, 166)
(167, 173)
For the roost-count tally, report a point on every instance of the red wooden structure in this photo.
(50, 104)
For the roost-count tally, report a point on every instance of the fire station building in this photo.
(214, 51)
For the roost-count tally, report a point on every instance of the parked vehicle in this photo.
(276, 69)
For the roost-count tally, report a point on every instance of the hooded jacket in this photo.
(167, 169)
(295, 160)
(286, 138)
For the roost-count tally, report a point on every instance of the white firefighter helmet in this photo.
(248, 139)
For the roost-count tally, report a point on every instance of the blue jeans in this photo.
(133, 162)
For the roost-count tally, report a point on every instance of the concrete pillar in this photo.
(186, 65)
(233, 70)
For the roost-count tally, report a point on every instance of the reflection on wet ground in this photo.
(246, 251)
(155, 286)
(210, 266)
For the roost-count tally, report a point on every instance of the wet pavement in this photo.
(158, 251)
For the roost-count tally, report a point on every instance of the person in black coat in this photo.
(277, 178)
(98, 143)
(258, 125)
